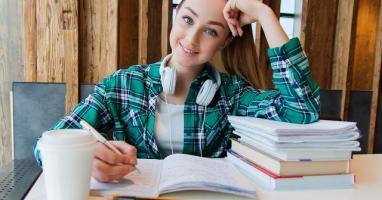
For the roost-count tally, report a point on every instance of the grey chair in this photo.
(36, 107)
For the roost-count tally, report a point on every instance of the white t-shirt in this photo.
(169, 120)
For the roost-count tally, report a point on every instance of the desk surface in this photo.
(367, 168)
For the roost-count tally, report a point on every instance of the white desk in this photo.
(367, 168)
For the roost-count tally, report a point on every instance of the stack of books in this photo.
(280, 155)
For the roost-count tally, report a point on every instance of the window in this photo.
(174, 4)
(288, 16)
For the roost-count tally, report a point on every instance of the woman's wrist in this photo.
(262, 12)
(271, 26)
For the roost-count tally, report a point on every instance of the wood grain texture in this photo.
(70, 38)
(57, 45)
(98, 39)
(344, 52)
(367, 25)
(143, 31)
(150, 23)
(154, 44)
(344, 38)
(319, 31)
(304, 19)
(11, 68)
(376, 87)
(166, 27)
(128, 21)
(30, 41)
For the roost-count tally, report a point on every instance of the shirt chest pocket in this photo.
(216, 120)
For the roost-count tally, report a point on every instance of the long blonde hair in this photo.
(240, 57)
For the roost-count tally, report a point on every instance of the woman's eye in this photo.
(188, 20)
(212, 32)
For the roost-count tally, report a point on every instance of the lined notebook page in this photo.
(181, 171)
(142, 184)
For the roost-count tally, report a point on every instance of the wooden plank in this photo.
(69, 25)
(150, 22)
(344, 38)
(366, 35)
(344, 52)
(304, 20)
(376, 84)
(57, 45)
(30, 40)
(99, 39)
(11, 68)
(143, 31)
(318, 35)
(49, 42)
(166, 27)
(128, 33)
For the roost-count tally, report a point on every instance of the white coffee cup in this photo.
(67, 156)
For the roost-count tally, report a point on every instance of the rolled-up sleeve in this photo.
(296, 97)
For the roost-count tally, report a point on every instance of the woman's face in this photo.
(199, 31)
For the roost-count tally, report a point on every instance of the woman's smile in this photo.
(188, 51)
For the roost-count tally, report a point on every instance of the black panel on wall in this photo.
(378, 135)
(359, 111)
(330, 104)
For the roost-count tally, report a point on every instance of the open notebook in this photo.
(176, 173)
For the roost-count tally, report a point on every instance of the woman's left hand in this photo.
(242, 12)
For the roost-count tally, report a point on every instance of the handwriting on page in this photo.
(135, 183)
(180, 169)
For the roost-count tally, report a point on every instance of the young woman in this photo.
(181, 104)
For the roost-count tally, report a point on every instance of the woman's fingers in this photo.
(109, 165)
(231, 15)
(102, 152)
(128, 156)
(106, 172)
(127, 150)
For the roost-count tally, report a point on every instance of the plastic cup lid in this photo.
(67, 137)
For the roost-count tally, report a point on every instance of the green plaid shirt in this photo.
(123, 105)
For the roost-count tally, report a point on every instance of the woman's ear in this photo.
(227, 41)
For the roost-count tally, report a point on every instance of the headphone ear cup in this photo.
(168, 79)
(206, 93)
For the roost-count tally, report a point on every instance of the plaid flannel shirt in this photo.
(122, 106)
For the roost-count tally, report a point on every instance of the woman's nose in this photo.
(192, 37)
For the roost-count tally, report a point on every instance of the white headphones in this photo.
(206, 92)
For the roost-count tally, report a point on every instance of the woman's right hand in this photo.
(242, 12)
(109, 166)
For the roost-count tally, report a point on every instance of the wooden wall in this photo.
(11, 67)
(320, 19)
(81, 41)
(343, 42)
(365, 44)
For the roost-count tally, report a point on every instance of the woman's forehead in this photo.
(206, 9)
